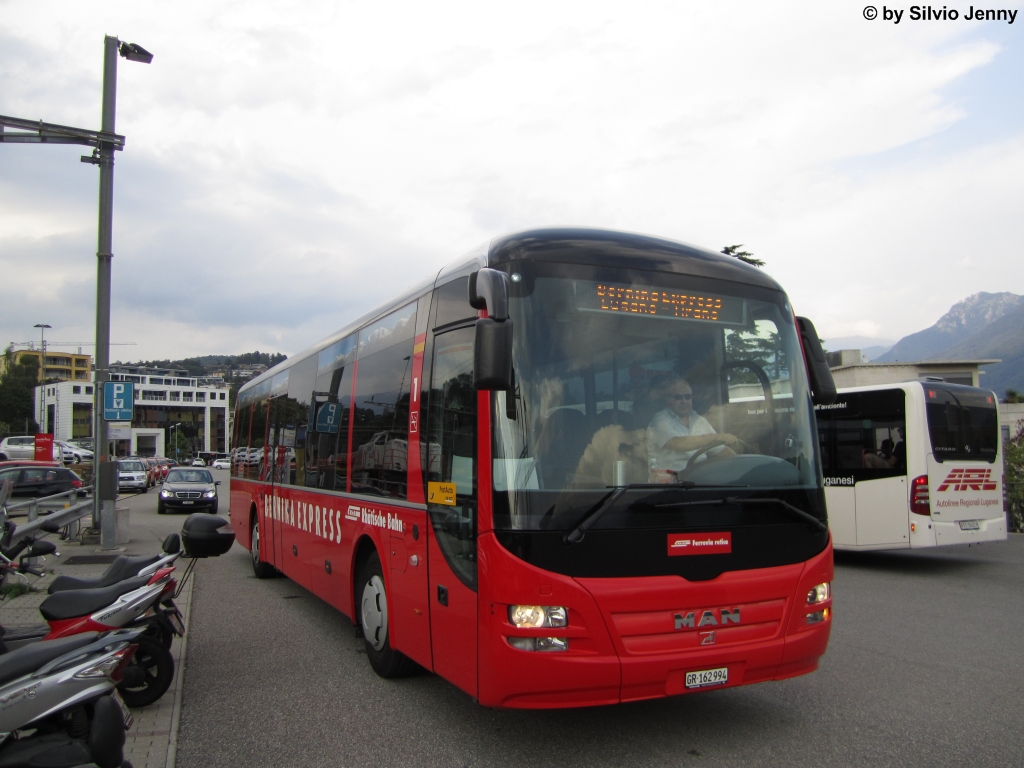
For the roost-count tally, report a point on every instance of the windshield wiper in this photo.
(606, 502)
(795, 511)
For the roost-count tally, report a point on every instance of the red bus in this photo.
(620, 500)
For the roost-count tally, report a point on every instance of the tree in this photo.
(745, 256)
(1013, 396)
(16, 388)
(1013, 459)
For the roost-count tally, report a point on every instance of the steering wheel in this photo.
(708, 447)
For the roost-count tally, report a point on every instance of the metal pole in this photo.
(105, 485)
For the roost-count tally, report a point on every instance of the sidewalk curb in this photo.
(172, 747)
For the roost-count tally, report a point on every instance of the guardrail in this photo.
(64, 509)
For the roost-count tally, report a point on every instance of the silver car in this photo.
(132, 475)
(18, 448)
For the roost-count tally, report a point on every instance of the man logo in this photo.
(707, 619)
(707, 638)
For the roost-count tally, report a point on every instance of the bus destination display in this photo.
(680, 305)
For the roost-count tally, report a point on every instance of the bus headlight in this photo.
(819, 593)
(538, 616)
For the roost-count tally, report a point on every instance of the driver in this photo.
(677, 432)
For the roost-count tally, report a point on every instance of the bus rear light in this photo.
(919, 499)
(538, 616)
(543, 644)
(818, 616)
(819, 593)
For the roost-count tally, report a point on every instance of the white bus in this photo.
(911, 465)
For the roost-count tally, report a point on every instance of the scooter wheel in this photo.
(149, 675)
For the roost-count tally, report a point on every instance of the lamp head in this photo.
(134, 52)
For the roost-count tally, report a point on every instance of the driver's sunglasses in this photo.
(681, 397)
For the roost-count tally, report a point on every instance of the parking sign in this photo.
(118, 400)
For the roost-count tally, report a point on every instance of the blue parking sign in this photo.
(118, 400)
(328, 418)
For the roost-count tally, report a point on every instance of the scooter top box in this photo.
(206, 535)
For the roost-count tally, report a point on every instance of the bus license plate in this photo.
(707, 677)
(969, 525)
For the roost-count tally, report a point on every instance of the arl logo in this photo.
(707, 619)
(969, 480)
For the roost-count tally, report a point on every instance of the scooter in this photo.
(58, 704)
(132, 603)
(129, 603)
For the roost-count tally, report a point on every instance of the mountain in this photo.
(1003, 339)
(965, 319)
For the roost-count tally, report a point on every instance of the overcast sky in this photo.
(289, 165)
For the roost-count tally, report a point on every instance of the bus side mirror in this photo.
(492, 348)
(823, 388)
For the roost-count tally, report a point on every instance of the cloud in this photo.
(285, 171)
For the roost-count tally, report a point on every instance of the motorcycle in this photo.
(58, 704)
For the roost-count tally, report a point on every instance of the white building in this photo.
(166, 401)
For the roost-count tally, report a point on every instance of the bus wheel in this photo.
(261, 569)
(385, 660)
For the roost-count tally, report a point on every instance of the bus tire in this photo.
(373, 611)
(261, 569)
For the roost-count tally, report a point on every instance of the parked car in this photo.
(17, 448)
(198, 462)
(164, 465)
(155, 474)
(188, 490)
(222, 464)
(132, 475)
(40, 479)
(72, 454)
(25, 448)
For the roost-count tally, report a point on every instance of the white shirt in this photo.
(663, 427)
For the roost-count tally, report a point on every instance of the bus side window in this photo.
(240, 449)
(380, 428)
(451, 441)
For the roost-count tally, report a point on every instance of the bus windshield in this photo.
(648, 382)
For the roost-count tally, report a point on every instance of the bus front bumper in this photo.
(634, 639)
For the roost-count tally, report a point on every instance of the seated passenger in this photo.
(677, 432)
(896, 458)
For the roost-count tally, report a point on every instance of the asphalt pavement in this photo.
(924, 668)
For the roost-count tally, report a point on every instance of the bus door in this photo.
(865, 468)
(883, 511)
(276, 461)
(452, 507)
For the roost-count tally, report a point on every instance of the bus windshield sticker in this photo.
(441, 493)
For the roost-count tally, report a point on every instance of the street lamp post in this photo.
(42, 350)
(174, 439)
(106, 488)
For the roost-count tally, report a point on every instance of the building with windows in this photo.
(850, 369)
(168, 402)
(61, 366)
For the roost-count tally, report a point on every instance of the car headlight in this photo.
(210, 494)
(165, 494)
(538, 616)
(819, 593)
